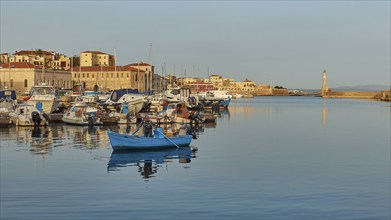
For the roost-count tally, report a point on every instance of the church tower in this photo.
(324, 86)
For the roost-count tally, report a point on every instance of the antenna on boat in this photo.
(150, 74)
(115, 70)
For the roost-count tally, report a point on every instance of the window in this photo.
(93, 75)
(122, 75)
(88, 75)
(75, 75)
(11, 83)
(112, 75)
(25, 83)
(83, 75)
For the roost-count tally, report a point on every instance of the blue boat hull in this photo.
(129, 142)
(225, 103)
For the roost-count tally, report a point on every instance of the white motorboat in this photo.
(214, 95)
(82, 114)
(135, 102)
(124, 115)
(28, 115)
(7, 105)
(178, 94)
(46, 95)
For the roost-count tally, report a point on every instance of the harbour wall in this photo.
(354, 95)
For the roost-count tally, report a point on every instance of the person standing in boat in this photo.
(147, 125)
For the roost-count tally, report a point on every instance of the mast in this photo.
(115, 70)
(71, 70)
(150, 73)
(43, 70)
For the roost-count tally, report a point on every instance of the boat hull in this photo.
(130, 142)
(48, 105)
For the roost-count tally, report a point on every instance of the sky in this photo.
(284, 43)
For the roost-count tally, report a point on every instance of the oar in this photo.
(137, 129)
(134, 132)
(167, 138)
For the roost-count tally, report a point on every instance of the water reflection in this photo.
(42, 140)
(148, 162)
(324, 116)
(38, 139)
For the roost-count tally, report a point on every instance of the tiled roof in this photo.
(18, 65)
(32, 52)
(139, 64)
(91, 51)
(199, 83)
(104, 68)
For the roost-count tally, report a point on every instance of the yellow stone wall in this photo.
(15, 78)
(109, 80)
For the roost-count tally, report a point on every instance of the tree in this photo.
(39, 52)
(76, 60)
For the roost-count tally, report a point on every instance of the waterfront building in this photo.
(22, 76)
(196, 87)
(4, 58)
(187, 80)
(247, 86)
(216, 80)
(105, 78)
(149, 71)
(48, 59)
(96, 58)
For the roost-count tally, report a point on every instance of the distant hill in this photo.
(362, 88)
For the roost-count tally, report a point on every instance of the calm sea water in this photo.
(267, 158)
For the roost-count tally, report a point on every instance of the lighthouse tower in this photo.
(324, 86)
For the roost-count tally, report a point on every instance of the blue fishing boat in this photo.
(158, 141)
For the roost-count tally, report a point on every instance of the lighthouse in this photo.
(324, 86)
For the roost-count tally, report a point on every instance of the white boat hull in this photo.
(48, 106)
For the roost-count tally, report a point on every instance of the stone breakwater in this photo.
(353, 95)
(381, 95)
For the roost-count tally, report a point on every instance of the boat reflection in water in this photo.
(148, 162)
(39, 139)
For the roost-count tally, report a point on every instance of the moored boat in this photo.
(28, 115)
(7, 105)
(158, 141)
(45, 94)
(82, 114)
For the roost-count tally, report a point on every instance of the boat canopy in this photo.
(118, 93)
(10, 94)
